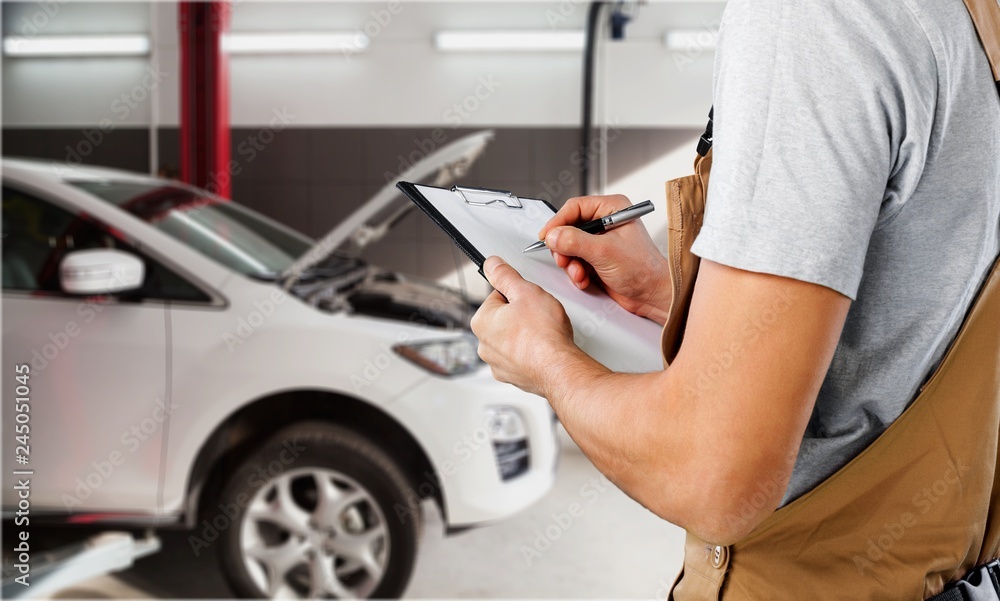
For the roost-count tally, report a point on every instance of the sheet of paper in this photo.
(618, 339)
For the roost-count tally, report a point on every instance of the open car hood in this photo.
(445, 164)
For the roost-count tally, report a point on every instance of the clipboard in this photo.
(484, 222)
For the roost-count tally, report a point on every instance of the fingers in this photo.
(578, 273)
(561, 260)
(584, 208)
(480, 319)
(566, 244)
(505, 279)
(574, 268)
(571, 242)
(494, 300)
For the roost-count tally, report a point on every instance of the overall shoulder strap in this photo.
(705, 142)
(986, 17)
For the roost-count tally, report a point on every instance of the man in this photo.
(853, 213)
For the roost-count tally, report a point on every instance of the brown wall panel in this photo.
(311, 178)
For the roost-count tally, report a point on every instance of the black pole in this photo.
(593, 19)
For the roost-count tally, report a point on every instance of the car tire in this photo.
(318, 511)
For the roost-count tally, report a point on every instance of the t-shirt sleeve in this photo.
(810, 114)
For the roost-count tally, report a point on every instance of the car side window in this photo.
(37, 235)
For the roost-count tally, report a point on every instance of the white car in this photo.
(172, 359)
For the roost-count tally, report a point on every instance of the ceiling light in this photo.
(293, 42)
(509, 40)
(77, 45)
(691, 39)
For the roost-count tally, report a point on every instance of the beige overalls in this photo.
(919, 508)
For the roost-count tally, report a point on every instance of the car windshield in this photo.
(222, 230)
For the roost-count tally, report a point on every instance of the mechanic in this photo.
(851, 227)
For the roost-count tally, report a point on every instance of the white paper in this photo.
(602, 328)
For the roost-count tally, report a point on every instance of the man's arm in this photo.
(708, 444)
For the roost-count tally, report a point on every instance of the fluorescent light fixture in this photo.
(691, 39)
(294, 42)
(76, 45)
(509, 40)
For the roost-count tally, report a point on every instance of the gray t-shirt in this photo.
(857, 146)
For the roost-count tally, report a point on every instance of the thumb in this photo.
(572, 242)
(503, 277)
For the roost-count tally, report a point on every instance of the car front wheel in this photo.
(323, 513)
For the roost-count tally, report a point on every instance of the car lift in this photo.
(66, 566)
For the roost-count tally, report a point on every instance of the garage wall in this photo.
(400, 80)
(311, 178)
(345, 120)
(53, 92)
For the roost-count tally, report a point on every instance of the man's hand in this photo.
(520, 335)
(624, 261)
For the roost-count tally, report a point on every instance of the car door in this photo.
(98, 397)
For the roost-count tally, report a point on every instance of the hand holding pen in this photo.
(608, 222)
(623, 261)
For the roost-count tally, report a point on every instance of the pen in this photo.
(603, 224)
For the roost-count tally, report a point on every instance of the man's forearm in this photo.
(708, 444)
(620, 422)
(659, 446)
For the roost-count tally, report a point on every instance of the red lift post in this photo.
(205, 145)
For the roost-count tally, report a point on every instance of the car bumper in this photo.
(450, 419)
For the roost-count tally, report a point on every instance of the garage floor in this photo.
(613, 548)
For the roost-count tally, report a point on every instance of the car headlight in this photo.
(450, 357)
(510, 441)
(505, 424)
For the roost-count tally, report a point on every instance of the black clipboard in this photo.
(470, 196)
(485, 222)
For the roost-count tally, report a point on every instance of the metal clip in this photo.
(483, 197)
(981, 584)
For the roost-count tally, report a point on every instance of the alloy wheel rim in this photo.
(314, 533)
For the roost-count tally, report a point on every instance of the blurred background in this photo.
(353, 115)
(305, 110)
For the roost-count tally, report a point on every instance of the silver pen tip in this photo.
(534, 246)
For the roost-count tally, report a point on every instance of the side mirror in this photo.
(100, 271)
